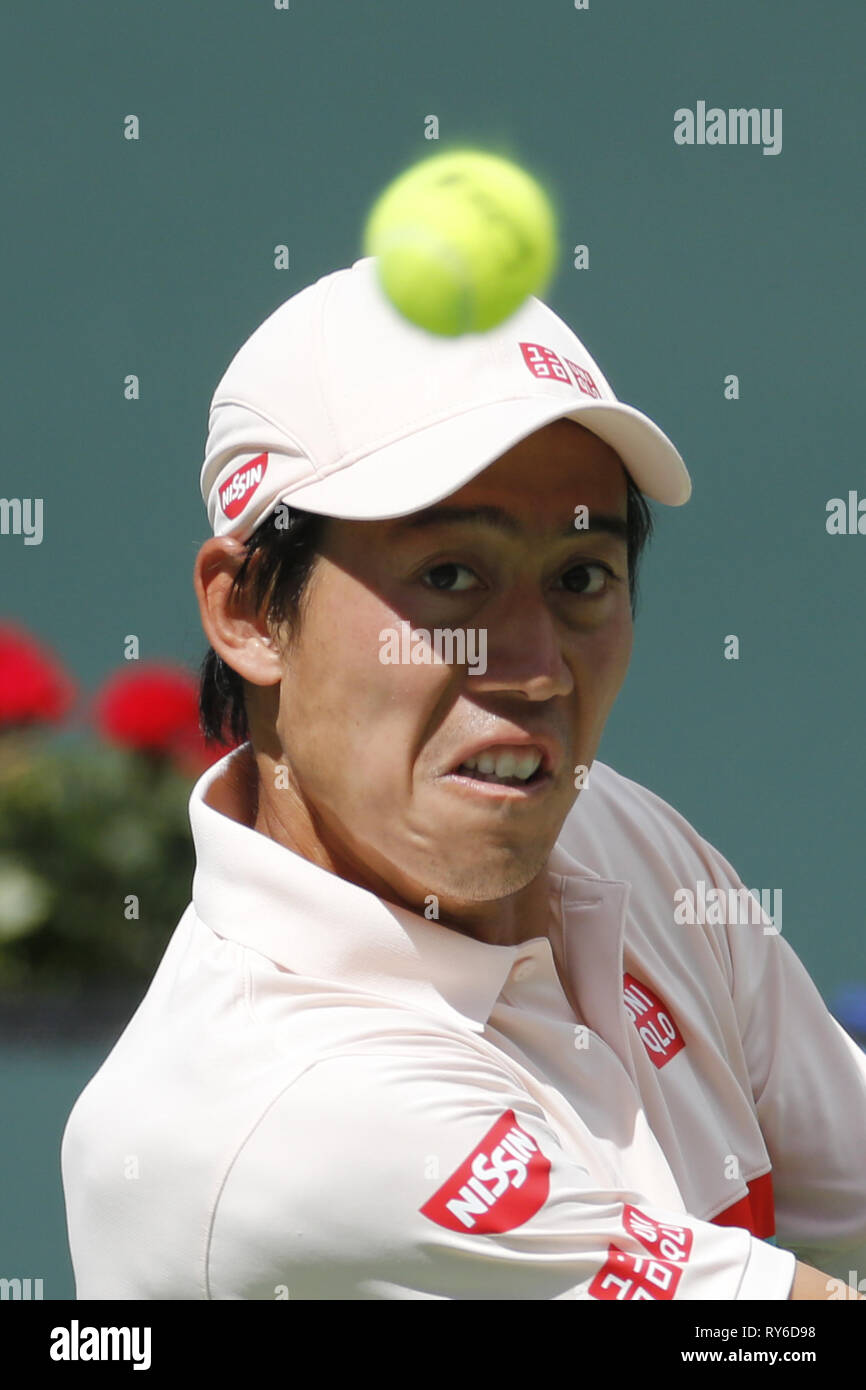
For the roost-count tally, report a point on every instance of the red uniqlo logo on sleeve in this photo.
(504, 1181)
(583, 379)
(625, 1277)
(659, 1033)
(670, 1243)
(544, 362)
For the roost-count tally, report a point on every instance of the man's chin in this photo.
(487, 878)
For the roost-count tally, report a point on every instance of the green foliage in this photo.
(84, 830)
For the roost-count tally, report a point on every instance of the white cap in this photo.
(338, 405)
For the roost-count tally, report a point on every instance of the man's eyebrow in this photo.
(504, 521)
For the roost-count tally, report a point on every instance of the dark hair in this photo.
(279, 559)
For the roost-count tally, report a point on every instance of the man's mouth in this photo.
(520, 766)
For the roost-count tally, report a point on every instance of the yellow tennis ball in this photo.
(460, 240)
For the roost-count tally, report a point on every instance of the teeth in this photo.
(510, 762)
(528, 763)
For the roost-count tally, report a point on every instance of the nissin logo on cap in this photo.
(237, 490)
(504, 1181)
(547, 365)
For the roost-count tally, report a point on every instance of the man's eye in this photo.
(584, 582)
(588, 580)
(443, 577)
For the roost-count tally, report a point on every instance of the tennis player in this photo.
(434, 1025)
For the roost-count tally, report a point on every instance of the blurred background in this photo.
(134, 268)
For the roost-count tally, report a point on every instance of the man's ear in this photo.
(235, 631)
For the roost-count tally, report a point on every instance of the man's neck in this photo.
(240, 793)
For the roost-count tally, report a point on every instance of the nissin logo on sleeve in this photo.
(504, 1181)
(237, 490)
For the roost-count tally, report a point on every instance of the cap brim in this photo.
(423, 468)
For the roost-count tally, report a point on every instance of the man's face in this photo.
(374, 747)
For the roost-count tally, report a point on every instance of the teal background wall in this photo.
(262, 126)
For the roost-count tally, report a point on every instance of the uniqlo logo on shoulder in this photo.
(504, 1181)
(543, 362)
(670, 1243)
(626, 1277)
(583, 379)
(659, 1033)
(237, 490)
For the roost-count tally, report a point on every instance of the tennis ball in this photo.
(460, 240)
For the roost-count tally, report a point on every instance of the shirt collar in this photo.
(250, 889)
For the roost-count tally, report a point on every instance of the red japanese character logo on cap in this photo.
(583, 379)
(543, 362)
(547, 365)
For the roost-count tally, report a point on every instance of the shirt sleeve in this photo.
(427, 1171)
(808, 1080)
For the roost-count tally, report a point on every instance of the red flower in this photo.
(153, 708)
(34, 687)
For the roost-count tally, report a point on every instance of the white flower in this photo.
(25, 900)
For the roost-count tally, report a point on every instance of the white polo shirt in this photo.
(323, 1096)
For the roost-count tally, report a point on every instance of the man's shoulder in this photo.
(617, 823)
(340, 1169)
(606, 787)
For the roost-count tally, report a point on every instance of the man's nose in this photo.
(524, 649)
